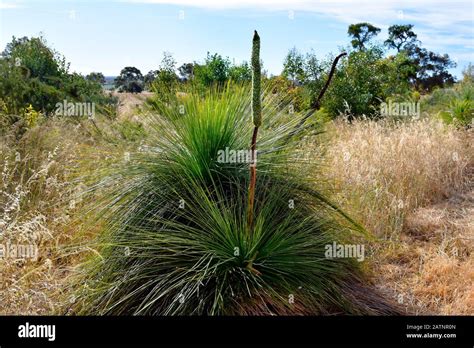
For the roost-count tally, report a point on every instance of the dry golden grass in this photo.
(130, 103)
(410, 184)
(37, 204)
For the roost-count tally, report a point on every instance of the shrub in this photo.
(215, 70)
(36, 58)
(284, 90)
(34, 74)
(460, 113)
(453, 105)
(363, 80)
(177, 240)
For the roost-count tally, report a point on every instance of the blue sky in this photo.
(107, 35)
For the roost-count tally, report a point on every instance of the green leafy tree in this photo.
(129, 80)
(361, 34)
(468, 74)
(16, 92)
(167, 74)
(215, 70)
(313, 69)
(186, 71)
(294, 66)
(400, 36)
(83, 89)
(36, 58)
(34, 78)
(96, 77)
(150, 77)
(397, 71)
(362, 81)
(431, 68)
(32, 74)
(165, 83)
(424, 69)
(241, 72)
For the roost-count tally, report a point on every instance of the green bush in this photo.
(287, 94)
(363, 80)
(454, 105)
(34, 74)
(460, 113)
(215, 70)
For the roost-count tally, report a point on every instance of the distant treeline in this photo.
(36, 77)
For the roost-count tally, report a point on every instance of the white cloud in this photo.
(344, 9)
(434, 12)
(381, 12)
(440, 23)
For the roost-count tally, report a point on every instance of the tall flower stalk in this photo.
(257, 121)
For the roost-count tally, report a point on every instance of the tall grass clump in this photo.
(35, 213)
(176, 237)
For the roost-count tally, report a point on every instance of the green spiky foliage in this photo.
(176, 239)
(460, 113)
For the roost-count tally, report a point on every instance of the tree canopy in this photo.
(130, 80)
(361, 34)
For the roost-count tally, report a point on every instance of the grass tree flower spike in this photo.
(257, 121)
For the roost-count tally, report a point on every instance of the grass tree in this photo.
(175, 220)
